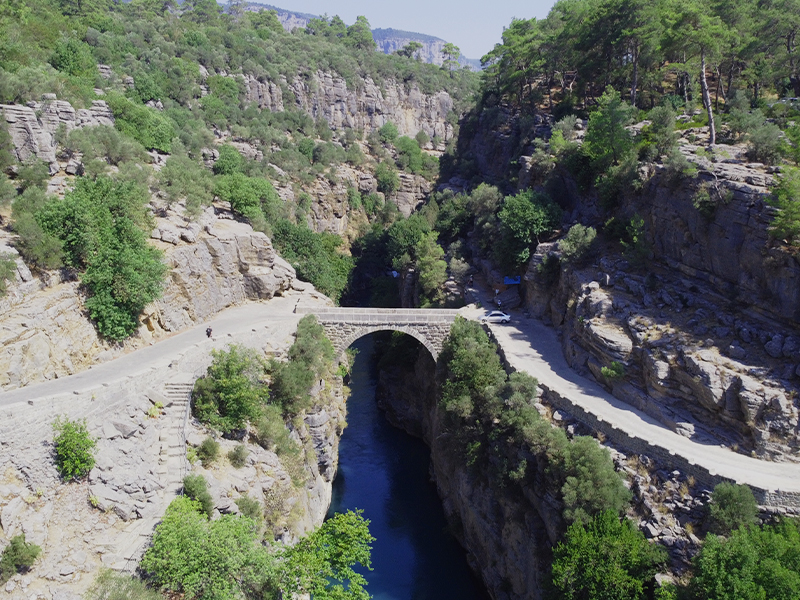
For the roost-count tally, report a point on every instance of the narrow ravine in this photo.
(385, 472)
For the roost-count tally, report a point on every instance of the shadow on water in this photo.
(385, 472)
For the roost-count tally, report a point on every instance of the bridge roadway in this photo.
(528, 345)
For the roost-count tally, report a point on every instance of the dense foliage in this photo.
(99, 230)
(754, 563)
(605, 558)
(223, 558)
(74, 448)
(497, 428)
(233, 392)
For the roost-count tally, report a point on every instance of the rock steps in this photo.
(171, 469)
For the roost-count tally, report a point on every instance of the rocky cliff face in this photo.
(33, 126)
(368, 108)
(506, 535)
(214, 264)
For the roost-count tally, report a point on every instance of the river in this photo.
(385, 472)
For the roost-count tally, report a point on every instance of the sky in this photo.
(472, 25)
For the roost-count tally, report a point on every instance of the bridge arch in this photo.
(344, 326)
(361, 332)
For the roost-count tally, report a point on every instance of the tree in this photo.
(432, 268)
(605, 558)
(387, 178)
(410, 49)
(732, 506)
(607, 139)
(752, 564)
(696, 31)
(451, 54)
(359, 35)
(321, 564)
(74, 448)
(202, 558)
(786, 198)
(524, 217)
(592, 485)
(232, 392)
(101, 226)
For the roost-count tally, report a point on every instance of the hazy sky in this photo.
(472, 25)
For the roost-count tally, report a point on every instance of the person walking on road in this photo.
(208, 332)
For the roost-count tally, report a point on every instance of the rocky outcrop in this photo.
(369, 107)
(700, 365)
(45, 333)
(33, 127)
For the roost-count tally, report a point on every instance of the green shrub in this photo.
(592, 485)
(184, 179)
(230, 161)
(208, 451)
(310, 356)
(388, 133)
(577, 244)
(273, 435)
(73, 57)
(232, 392)
(732, 506)
(662, 129)
(566, 127)
(17, 557)
(147, 126)
(315, 256)
(387, 178)
(250, 508)
(74, 448)
(8, 270)
(238, 456)
(786, 198)
(105, 143)
(110, 585)
(195, 488)
(422, 138)
(523, 218)
(252, 197)
(614, 371)
(33, 173)
(765, 144)
(605, 558)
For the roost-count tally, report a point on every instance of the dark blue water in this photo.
(384, 471)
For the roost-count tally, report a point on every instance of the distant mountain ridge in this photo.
(388, 40)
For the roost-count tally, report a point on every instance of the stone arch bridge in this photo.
(344, 326)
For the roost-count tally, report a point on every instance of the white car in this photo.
(496, 316)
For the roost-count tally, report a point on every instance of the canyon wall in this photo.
(507, 535)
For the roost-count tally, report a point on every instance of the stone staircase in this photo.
(172, 463)
(172, 468)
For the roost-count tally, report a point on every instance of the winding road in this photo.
(528, 345)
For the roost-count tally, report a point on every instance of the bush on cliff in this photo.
(17, 557)
(753, 563)
(732, 506)
(608, 558)
(74, 448)
(101, 224)
(310, 356)
(232, 391)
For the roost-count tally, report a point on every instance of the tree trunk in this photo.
(712, 134)
(635, 82)
(716, 92)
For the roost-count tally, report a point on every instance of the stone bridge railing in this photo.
(344, 326)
